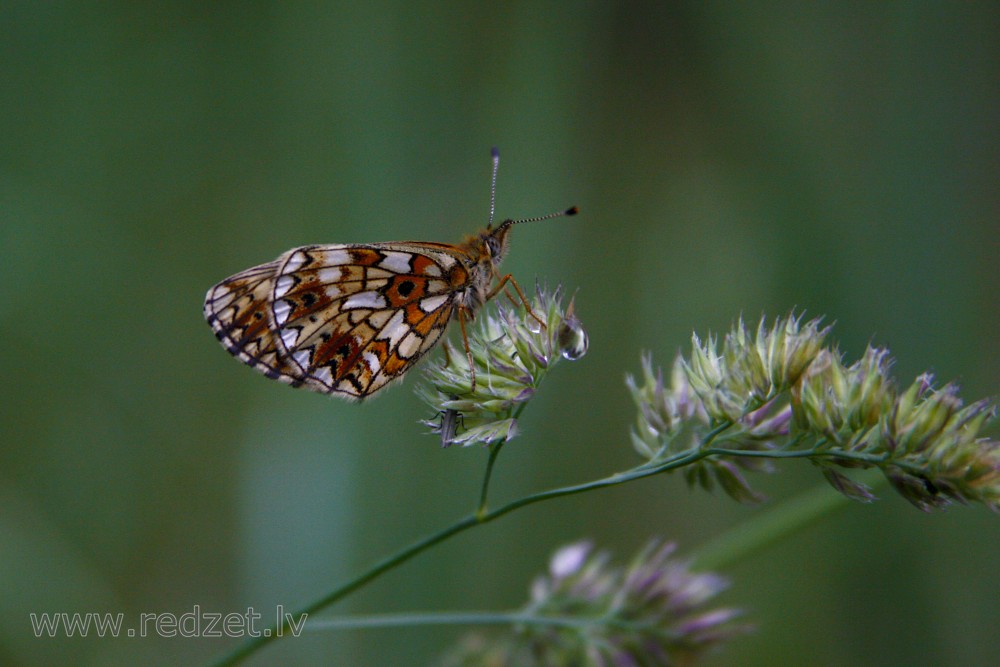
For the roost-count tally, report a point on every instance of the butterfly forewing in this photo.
(349, 319)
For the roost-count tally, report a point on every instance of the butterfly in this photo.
(348, 319)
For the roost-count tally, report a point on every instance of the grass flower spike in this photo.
(512, 350)
(586, 611)
(782, 393)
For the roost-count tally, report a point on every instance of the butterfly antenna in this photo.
(572, 210)
(495, 154)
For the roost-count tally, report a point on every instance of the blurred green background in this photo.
(727, 158)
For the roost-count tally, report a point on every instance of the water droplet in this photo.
(573, 340)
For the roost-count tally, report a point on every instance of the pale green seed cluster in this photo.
(512, 351)
(751, 369)
(782, 393)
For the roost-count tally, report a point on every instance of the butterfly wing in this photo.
(350, 319)
(239, 313)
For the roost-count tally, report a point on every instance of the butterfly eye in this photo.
(493, 243)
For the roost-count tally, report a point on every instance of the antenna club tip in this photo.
(495, 152)
(572, 210)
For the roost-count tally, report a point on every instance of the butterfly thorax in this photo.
(484, 251)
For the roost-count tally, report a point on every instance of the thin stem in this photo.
(494, 451)
(765, 529)
(275, 631)
(400, 557)
(483, 515)
(657, 463)
(715, 432)
(873, 459)
(464, 618)
(679, 460)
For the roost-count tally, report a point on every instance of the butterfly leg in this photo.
(502, 285)
(527, 307)
(465, 340)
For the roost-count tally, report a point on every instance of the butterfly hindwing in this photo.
(238, 311)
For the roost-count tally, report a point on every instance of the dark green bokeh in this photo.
(727, 159)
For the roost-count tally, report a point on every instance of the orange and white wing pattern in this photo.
(340, 319)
